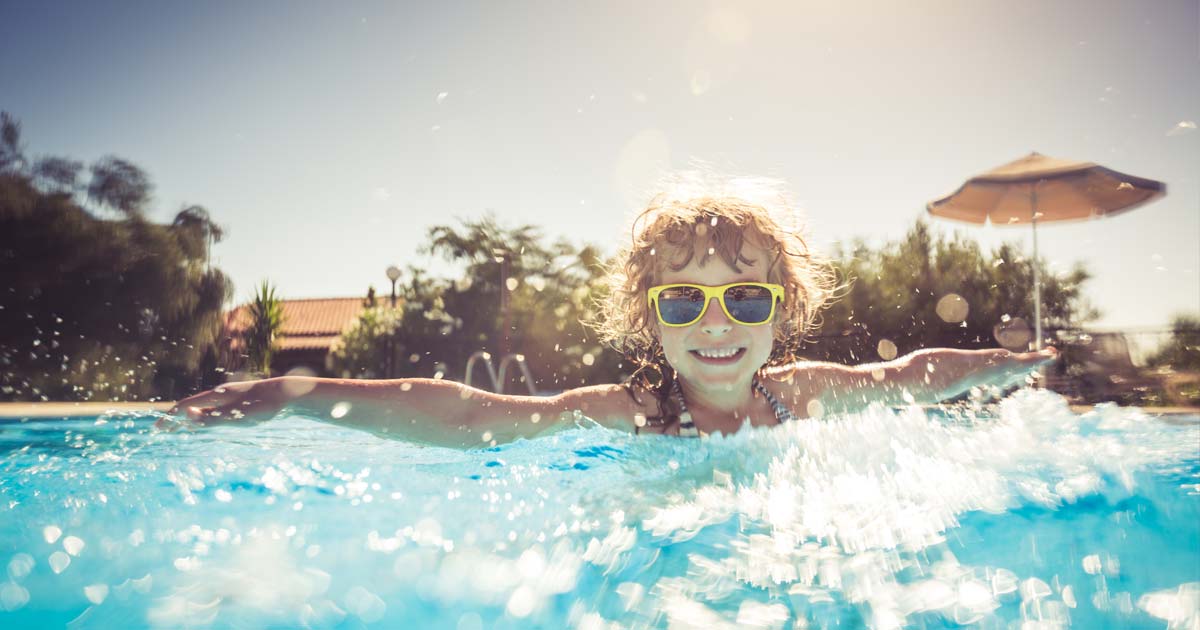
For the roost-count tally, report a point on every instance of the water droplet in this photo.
(73, 545)
(1068, 596)
(535, 417)
(952, 308)
(486, 437)
(20, 566)
(405, 386)
(223, 495)
(441, 97)
(511, 283)
(1182, 127)
(13, 596)
(143, 584)
(886, 349)
(815, 409)
(532, 563)
(521, 602)
(639, 419)
(588, 359)
(51, 533)
(340, 409)
(364, 604)
(297, 387)
(96, 593)
(59, 561)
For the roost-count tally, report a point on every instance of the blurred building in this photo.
(311, 327)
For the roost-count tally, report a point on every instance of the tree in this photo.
(1182, 351)
(119, 185)
(266, 320)
(516, 294)
(12, 154)
(96, 308)
(925, 291)
(361, 351)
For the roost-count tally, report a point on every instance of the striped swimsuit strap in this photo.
(687, 428)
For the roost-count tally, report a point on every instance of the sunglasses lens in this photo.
(749, 304)
(680, 305)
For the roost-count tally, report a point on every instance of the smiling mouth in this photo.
(718, 356)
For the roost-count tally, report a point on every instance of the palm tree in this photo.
(195, 222)
(12, 156)
(266, 320)
(120, 185)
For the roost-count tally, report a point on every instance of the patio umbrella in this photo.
(1038, 188)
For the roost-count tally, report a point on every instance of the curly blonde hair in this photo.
(694, 216)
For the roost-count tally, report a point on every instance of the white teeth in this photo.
(722, 353)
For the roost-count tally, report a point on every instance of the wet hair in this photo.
(695, 218)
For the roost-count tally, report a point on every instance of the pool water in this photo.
(1027, 516)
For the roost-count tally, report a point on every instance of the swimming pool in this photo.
(882, 519)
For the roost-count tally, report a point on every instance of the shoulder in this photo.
(803, 385)
(611, 405)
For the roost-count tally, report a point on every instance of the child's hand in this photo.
(233, 402)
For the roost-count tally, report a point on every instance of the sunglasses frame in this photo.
(718, 292)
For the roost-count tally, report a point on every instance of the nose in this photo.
(715, 321)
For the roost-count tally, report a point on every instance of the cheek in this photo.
(671, 340)
(764, 341)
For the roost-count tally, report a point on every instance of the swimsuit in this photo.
(688, 429)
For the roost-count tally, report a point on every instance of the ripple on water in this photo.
(1021, 513)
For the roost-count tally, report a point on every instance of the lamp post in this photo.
(393, 274)
(501, 256)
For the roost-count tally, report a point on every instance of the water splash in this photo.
(887, 518)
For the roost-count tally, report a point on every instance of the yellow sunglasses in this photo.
(747, 303)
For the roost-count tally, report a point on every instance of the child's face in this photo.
(715, 331)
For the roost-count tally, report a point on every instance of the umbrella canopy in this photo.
(1038, 188)
(1063, 190)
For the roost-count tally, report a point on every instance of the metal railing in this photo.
(499, 378)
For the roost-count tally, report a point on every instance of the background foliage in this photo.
(266, 320)
(516, 293)
(98, 303)
(895, 290)
(1182, 352)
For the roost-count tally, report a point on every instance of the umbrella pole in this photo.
(1037, 283)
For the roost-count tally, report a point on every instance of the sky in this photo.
(326, 138)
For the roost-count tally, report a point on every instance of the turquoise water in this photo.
(1027, 516)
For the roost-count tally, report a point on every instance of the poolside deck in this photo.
(44, 410)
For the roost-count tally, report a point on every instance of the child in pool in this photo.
(709, 301)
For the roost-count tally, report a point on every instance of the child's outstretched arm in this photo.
(925, 376)
(437, 412)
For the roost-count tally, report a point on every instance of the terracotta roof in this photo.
(308, 324)
(303, 318)
(314, 342)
